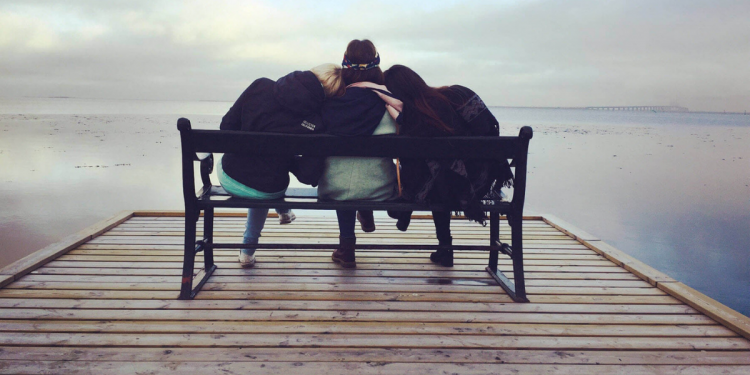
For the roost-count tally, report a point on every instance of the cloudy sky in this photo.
(513, 53)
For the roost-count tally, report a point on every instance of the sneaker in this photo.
(247, 260)
(287, 218)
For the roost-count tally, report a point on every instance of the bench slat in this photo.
(307, 198)
(266, 144)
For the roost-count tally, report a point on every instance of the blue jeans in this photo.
(256, 220)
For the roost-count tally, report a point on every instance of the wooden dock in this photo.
(103, 301)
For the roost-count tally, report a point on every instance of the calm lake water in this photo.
(671, 189)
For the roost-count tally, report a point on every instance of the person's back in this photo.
(290, 105)
(358, 113)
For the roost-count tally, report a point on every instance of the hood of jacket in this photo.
(299, 92)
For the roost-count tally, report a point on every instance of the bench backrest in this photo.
(270, 144)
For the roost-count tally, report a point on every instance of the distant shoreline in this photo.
(491, 106)
(590, 109)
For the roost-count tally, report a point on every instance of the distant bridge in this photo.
(670, 108)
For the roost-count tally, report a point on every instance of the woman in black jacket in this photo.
(424, 111)
(289, 105)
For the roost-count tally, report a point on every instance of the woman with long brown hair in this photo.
(424, 111)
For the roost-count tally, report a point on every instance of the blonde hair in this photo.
(329, 76)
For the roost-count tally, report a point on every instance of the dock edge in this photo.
(31, 262)
(715, 310)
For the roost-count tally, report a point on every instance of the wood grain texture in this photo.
(724, 315)
(109, 306)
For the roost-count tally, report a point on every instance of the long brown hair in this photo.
(361, 52)
(413, 91)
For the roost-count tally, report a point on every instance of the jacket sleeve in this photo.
(308, 169)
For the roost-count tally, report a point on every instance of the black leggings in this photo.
(442, 221)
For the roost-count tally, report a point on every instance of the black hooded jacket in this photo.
(290, 105)
(357, 113)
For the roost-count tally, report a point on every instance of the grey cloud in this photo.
(541, 53)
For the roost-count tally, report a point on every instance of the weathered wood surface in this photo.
(109, 306)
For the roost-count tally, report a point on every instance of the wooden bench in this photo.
(199, 145)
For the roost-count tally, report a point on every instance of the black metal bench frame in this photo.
(199, 145)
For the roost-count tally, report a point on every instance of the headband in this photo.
(346, 64)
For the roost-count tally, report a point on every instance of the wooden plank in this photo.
(370, 328)
(365, 368)
(342, 305)
(427, 276)
(53, 251)
(381, 228)
(223, 295)
(503, 264)
(533, 278)
(43, 288)
(377, 341)
(576, 248)
(722, 314)
(234, 355)
(227, 236)
(631, 264)
(358, 316)
(360, 253)
(280, 284)
(5, 280)
(273, 295)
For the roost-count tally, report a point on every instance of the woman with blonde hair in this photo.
(290, 105)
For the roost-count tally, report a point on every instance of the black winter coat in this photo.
(357, 113)
(456, 182)
(290, 105)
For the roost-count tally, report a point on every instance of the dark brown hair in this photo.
(413, 91)
(361, 52)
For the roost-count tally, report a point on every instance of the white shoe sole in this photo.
(246, 261)
(286, 219)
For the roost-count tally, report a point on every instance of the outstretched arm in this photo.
(392, 111)
(381, 90)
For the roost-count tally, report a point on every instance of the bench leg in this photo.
(188, 261)
(208, 237)
(192, 248)
(494, 240)
(518, 276)
(515, 290)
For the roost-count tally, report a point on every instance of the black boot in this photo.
(403, 219)
(444, 254)
(344, 255)
(366, 221)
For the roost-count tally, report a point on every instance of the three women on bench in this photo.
(348, 101)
